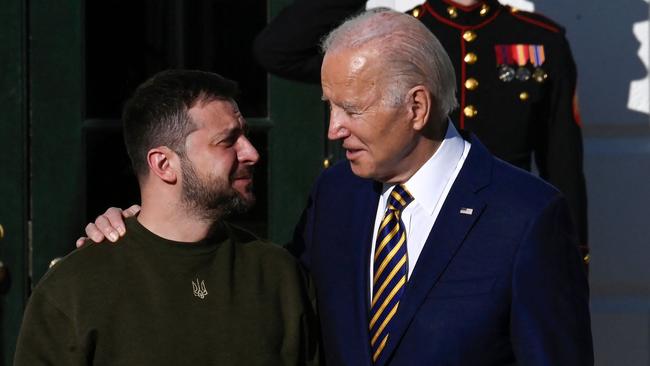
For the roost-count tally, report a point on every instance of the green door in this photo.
(41, 187)
(14, 188)
(298, 146)
(55, 100)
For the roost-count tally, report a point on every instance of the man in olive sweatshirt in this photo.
(184, 287)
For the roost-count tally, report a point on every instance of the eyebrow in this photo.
(230, 131)
(345, 105)
(349, 106)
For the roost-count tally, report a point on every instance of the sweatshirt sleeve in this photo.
(47, 336)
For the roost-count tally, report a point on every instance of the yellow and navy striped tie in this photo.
(390, 269)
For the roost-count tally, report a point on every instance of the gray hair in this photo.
(411, 54)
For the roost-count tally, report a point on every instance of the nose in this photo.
(246, 152)
(337, 129)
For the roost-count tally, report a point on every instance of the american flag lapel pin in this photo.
(466, 211)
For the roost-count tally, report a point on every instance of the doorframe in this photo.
(14, 158)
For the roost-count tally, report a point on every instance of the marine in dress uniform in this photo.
(515, 72)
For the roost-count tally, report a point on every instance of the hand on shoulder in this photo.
(109, 225)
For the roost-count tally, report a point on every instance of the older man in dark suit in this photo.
(426, 250)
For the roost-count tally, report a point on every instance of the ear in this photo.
(419, 103)
(162, 163)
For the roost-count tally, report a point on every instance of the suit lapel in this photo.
(444, 241)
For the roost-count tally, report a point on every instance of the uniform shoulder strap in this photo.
(417, 11)
(535, 19)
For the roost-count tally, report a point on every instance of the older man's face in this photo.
(376, 136)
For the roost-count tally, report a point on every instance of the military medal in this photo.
(537, 58)
(522, 74)
(521, 55)
(540, 75)
(506, 73)
(504, 59)
(510, 56)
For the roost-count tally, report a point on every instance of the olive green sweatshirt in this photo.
(228, 300)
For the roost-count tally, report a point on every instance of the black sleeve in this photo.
(302, 235)
(559, 152)
(289, 46)
(313, 342)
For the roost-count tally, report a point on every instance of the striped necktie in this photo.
(390, 269)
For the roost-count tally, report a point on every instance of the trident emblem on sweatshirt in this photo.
(199, 289)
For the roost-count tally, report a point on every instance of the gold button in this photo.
(416, 12)
(453, 13)
(469, 35)
(326, 163)
(485, 9)
(523, 96)
(587, 259)
(470, 58)
(2, 232)
(470, 111)
(471, 84)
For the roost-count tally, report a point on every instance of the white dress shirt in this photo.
(429, 187)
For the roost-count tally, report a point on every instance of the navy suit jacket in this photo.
(502, 285)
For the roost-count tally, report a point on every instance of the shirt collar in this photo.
(428, 183)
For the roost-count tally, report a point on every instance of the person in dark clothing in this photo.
(516, 80)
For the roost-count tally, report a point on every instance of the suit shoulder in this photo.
(521, 188)
(340, 169)
(341, 173)
(341, 182)
(535, 20)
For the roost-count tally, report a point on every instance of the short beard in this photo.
(213, 198)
